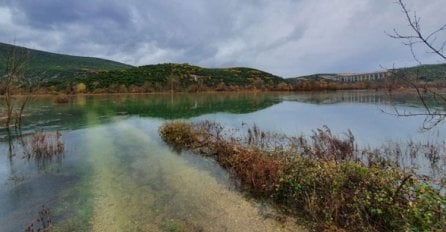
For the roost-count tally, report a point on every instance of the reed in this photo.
(322, 178)
(43, 145)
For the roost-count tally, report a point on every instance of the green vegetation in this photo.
(56, 73)
(430, 72)
(171, 77)
(43, 66)
(319, 179)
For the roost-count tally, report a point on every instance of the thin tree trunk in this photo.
(20, 114)
(8, 103)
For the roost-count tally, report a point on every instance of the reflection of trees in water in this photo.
(349, 97)
(45, 113)
(364, 97)
(189, 105)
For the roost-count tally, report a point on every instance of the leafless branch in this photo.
(433, 115)
(418, 36)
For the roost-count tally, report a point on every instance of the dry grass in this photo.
(43, 145)
(321, 177)
(62, 99)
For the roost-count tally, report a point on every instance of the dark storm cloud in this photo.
(285, 37)
(49, 13)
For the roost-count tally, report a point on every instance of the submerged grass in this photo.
(43, 223)
(320, 178)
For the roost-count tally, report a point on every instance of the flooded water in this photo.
(116, 173)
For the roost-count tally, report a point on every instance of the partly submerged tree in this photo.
(14, 81)
(433, 101)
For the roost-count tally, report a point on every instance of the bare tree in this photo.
(12, 83)
(430, 41)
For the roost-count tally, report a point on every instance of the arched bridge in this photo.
(355, 77)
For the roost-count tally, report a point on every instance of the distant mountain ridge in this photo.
(47, 65)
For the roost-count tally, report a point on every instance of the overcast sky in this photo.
(284, 37)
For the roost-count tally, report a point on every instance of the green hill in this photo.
(44, 66)
(64, 73)
(177, 77)
(428, 72)
(313, 77)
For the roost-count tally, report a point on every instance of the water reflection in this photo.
(357, 97)
(44, 112)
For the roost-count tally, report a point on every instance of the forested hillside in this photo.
(173, 77)
(44, 66)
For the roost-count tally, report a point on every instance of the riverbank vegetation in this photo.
(189, 78)
(321, 178)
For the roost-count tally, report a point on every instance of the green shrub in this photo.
(351, 195)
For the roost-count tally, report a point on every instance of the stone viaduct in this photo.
(355, 77)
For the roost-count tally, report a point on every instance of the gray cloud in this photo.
(285, 37)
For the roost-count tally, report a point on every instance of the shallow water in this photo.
(118, 175)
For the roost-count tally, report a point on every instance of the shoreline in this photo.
(401, 90)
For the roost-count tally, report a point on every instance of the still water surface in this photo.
(118, 175)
